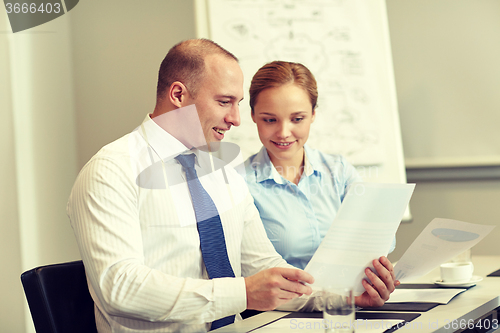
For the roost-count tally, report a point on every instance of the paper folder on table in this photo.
(495, 273)
(440, 296)
(418, 297)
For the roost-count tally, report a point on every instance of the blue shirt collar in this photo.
(265, 170)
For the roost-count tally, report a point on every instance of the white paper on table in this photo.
(441, 296)
(316, 325)
(362, 230)
(440, 241)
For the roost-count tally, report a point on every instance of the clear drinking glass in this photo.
(338, 310)
(465, 256)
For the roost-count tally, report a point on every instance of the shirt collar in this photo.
(309, 161)
(265, 170)
(168, 147)
(163, 143)
(263, 167)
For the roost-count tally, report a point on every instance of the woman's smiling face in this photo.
(283, 116)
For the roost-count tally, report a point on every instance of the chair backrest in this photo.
(59, 298)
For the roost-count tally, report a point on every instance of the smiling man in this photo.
(167, 251)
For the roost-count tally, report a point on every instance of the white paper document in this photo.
(440, 241)
(441, 296)
(318, 325)
(362, 230)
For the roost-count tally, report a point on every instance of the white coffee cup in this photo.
(457, 272)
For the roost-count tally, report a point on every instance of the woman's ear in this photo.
(178, 94)
(253, 117)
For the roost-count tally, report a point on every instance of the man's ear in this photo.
(178, 94)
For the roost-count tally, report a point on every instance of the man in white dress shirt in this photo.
(135, 225)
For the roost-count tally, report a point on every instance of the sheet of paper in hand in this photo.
(362, 230)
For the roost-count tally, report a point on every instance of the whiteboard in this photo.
(345, 44)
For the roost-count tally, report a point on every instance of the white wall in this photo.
(11, 306)
(445, 57)
(117, 51)
(447, 74)
(39, 150)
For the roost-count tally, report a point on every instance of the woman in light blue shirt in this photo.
(298, 190)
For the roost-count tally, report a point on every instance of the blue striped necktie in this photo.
(212, 241)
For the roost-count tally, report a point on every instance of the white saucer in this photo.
(472, 282)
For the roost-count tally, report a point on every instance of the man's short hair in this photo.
(185, 62)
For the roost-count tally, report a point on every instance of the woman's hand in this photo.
(382, 284)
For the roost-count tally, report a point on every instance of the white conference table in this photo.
(475, 303)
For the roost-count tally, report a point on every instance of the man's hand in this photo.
(381, 286)
(273, 287)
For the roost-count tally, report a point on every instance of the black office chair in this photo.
(59, 298)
